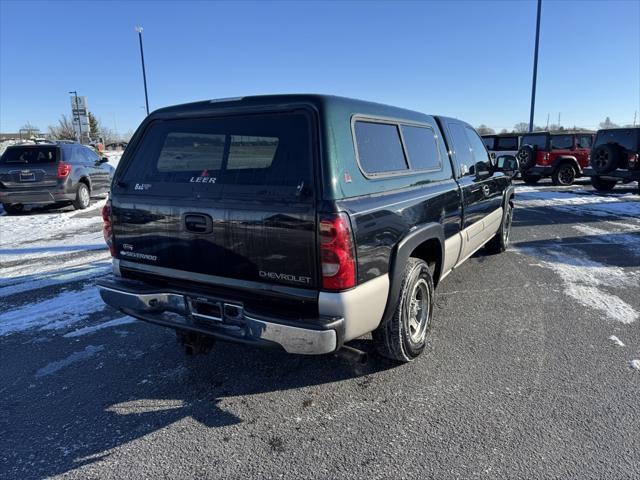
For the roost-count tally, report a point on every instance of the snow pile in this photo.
(113, 156)
(42, 249)
(626, 205)
(635, 364)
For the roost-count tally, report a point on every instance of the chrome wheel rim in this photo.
(84, 196)
(418, 311)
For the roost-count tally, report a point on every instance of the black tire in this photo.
(500, 241)
(605, 158)
(602, 185)
(13, 208)
(530, 179)
(82, 199)
(404, 336)
(527, 157)
(564, 175)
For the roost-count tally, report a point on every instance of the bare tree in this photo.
(608, 123)
(482, 129)
(29, 129)
(64, 130)
(521, 127)
(504, 130)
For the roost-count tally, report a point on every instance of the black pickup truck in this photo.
(299, 221)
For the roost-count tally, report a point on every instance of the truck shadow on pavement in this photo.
(136, 381)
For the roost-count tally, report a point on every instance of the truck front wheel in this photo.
(404, 336)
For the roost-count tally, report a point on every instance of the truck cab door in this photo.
(482, 187)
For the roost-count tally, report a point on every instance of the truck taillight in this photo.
(107, 231)
(336, 252)
(64, 169)
(546, 157)
(633, 160)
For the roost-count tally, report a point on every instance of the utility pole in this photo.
(547, 127)
(144, 73)
(535, 68)
(635, 114)
(558, 119)
(75, 93)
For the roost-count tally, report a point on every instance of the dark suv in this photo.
(299, 221)
(615, 156)
(561, 156)
(65, 173)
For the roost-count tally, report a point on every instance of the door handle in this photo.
(198, 223)
(486, 190)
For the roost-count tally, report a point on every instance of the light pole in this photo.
(535, 68)
(77, 112)
(144, 73)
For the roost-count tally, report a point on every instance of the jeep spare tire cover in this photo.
(527, 157)
(604, 158)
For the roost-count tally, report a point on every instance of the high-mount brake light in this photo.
(107, 231)
(64, 169)
(337, 255)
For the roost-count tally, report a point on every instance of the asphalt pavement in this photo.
(529, 373)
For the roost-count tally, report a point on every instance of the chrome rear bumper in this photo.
(175, 309)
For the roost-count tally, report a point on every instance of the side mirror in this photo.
(508, 164)
(103, 160)
(481, 170)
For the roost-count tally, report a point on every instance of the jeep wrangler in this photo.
(561, 156)
(299, 221)
(615, 157)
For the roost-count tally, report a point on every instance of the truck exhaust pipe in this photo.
(353, 355)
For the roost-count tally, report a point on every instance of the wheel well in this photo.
(431, 252)
(86, 181)
(570, 160)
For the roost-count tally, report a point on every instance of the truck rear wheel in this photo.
(404, 336)
(601, 184)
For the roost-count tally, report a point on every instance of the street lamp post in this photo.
(535, 68)
(144, 73)
(77, 112)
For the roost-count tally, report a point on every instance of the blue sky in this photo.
(468, 59)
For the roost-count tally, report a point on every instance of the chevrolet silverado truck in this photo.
(561, 156)
(615, 157)
(299, 221)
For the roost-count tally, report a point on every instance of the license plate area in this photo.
(218, 311)
(28, 177)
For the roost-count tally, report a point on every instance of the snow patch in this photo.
(635, 364)
(75, 357)
(94, 328)
(579, 204)
(616, 341)
(59, 312)
(582, 277)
